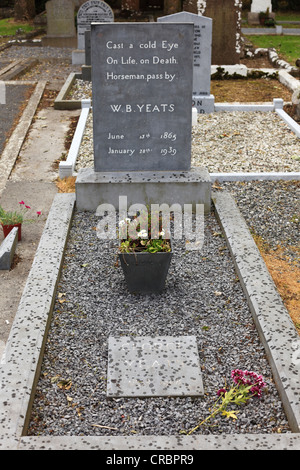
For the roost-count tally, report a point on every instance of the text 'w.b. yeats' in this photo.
(142, 88)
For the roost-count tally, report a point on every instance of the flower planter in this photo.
(145, 273)
(8, 228)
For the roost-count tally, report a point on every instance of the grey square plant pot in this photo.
(145, 273)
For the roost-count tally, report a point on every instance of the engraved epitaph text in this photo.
(142, 88)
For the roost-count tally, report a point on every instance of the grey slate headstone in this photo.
(153, 366)
(92, 11)
(142, 88)
(87, 47)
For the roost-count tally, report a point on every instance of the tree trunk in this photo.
(24, 9)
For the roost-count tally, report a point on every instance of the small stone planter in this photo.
(7, 229)
(145, 273)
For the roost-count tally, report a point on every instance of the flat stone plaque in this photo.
(153, 367)
(142, 88)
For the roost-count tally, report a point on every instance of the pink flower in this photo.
(222, 391)
(246, 377)
(27, 207)
(22, 202)
(38, 212)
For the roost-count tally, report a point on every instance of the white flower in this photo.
(124, 222)
(143, 234)
(162, 233)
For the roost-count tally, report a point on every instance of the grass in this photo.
(285, 276)
(9, 27)
(287, 47)
(287, 16)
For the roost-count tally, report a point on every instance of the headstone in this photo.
(87, 48)
(258, 6)
(142, 118)
(202, 99)
(261, 5)
(92, 11)
(142, 88)
(61, 30)
(153, 366)
(86, 70)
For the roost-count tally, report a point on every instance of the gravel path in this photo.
(202, 298)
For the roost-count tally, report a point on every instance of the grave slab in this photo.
(153, 366)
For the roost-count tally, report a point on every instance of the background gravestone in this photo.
(202, 99)
(142, 88)
(256, 7)
(92, 11)
(61, 30)
(86, 70)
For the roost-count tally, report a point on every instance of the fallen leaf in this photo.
(64, 384)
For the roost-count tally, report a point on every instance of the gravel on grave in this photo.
(228, 142)
(203, 297)
(271, 210)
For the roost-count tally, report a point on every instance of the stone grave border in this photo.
(67, 168)
(21, 361)
(61, 101)
(16, 67)
(16, 140)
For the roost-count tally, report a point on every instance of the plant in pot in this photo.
(11, 219)
(145, 252)
(263, 16)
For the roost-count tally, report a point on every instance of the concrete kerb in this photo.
(14, 145)
(61, 101)
(21, 362)
(7, 249)
(67, 167)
